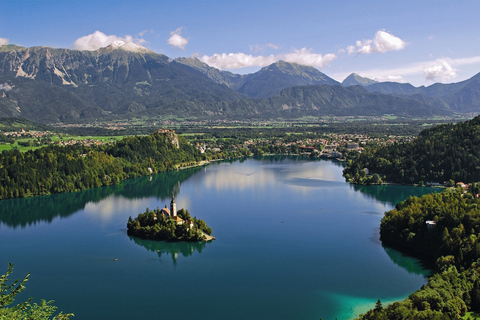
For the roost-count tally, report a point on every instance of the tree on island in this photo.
(152, 224)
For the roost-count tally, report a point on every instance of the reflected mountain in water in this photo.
(393, 194)
(46, 208)
(172, 249)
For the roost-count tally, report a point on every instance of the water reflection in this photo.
(172, 249)
(307, 174)
(26, 212)
(411, 265)
(295, 171)
(393, 194)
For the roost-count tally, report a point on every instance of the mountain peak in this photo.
(127, 46)
(357, 80)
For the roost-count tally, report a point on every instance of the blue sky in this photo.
(421, 42)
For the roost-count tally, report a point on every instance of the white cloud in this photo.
(306, 57)
(99, 40)
(261, 48)
(3, 41)
(435, 70)
(239, 60)
(142, 33)
(176, 40)
(466, 61)
(389, 78)
(440, 70)
(383, 42)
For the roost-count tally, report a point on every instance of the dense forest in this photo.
(442, 153)
(152, 224)
(451, 239)
(56, 169)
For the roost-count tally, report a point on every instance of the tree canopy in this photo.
(451, 239)
(152, 224)
(55, 169)
(444, 152)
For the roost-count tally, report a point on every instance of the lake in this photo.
(293, 241)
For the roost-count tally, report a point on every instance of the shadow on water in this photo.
(29, 211)
(410, 264)
(393, 194)
(172, 249)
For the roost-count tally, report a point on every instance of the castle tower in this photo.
(173, 207)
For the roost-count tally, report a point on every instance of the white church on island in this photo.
(172, 213)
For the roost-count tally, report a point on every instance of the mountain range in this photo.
(125, 80)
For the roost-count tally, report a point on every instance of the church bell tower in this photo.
(173, 207)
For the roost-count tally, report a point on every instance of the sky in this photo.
(420, 42)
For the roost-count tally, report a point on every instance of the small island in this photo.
(168, 224)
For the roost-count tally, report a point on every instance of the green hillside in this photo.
(444, 152)
(450, 240)
(56, 169)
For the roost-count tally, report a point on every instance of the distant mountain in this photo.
(265, 82)
(394, 88)
(227, 78)
(356, 80)
(125, 80)
(280, 75)
(51, 85)
(348, 101)
(462, 96)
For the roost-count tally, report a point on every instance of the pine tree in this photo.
(378, 306)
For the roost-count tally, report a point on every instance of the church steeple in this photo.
(173, 207)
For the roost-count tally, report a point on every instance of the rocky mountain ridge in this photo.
(125, 80)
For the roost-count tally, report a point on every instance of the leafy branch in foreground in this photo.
(24, 310)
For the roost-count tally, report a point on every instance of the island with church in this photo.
(169, 224)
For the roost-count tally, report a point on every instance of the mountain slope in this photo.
(280, 75)
(265, 82)
(232, 80)
(348, 101)
(113, 80)
(462, 96)
(125, 80)
(356, 80)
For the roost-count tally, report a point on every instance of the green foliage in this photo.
(453, 242)
(152, 224)
(56, 169)
(442, 153)
(25, 310)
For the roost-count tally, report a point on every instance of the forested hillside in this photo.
(452, 240)
(444, 152)
(56, 169)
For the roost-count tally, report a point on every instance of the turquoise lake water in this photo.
(294, 241)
